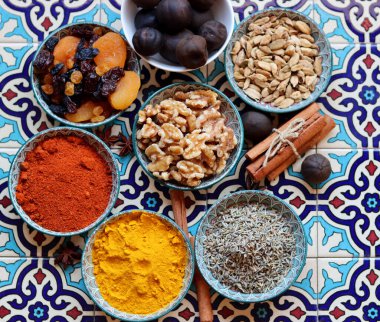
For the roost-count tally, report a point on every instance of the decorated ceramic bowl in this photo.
(92, 140)
(271, 202)
(132, 64)
(93, 289)
(233, 120)
(320, 40)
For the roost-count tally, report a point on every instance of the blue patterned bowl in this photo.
(132, 64)
(271, 202)
(94, 292)
(227, 108)
(92, 140)
(320, 40)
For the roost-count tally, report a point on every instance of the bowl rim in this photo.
(254, 192)
(303, 103)
(191, 261)
(46, 231)
(225, 172)
(41, 102)
(179, 68)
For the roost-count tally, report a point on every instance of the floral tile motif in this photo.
(352, 99)
(346, 21)
(38, 290)
(27, 21)
(348, 289)
(348, 204)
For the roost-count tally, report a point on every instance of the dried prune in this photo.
(56, 69)
(51, 42)
(58, 109)
(70, 106)
(110, 79)
(86, 53)
(90, 82)
(85, 31)
(43, 60)
(86, 67)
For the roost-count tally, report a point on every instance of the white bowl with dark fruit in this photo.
(85, 75)
(178, 35)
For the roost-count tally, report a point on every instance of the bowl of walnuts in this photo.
(278, 60)
(188, 136)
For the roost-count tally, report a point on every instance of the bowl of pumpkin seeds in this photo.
(250, 246)
(278, 60)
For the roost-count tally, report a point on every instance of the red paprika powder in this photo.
(64, 184)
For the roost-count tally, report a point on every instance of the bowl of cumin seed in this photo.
(250, 246)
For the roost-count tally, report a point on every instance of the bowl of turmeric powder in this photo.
(138, 266)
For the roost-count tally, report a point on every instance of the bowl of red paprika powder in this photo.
(64, 181)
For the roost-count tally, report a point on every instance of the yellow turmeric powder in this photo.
(139, 263)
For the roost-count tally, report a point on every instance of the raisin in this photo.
(45, 97)
(43, 61)
(76, 77)
(70, 106)
(78, 89)
(93, 39)
(56, 69)
(59, 83)
(84, 31)
(110, 79)
(47, 89)
(86, 53)
(69, 89)
(50, 44)
(90, 83)
(58, 109)
(86, 67)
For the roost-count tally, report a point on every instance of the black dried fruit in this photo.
(86, 67)
(87, 53)
(146, 18)
(45, 96)
(174, 16)
(51, 42)
(43, 61)
(147, 41)
(257, 126)
(316, 168)
(58, 109)
(85, 31)
(202, 5)
(199, 18)
(94, 38)
(146, 4)
(78, 89)
(215, 34)
(170, 42)
(57, 68)
(109, 80)
(192, 52)
(59, 83)
(70, 106)
(90, 82)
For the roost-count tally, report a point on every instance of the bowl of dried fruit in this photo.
(250, 246)
(63, 181)
(188, 136)
(278, 60)
(85, 75)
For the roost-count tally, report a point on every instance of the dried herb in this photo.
(249, 248)
(68, 254)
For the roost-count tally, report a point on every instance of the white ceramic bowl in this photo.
(222, 12)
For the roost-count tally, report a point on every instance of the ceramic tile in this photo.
(352, 98)
(39, 290)
(346, 21)
(32, 21)
(348, 289)
(348, 204)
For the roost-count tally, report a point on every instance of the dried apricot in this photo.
(65, 50)
(126, 91)
(112, 51)
(83, 113)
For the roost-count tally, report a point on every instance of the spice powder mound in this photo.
(64, 184)
(139, 263)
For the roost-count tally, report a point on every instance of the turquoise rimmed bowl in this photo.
(227, 108)
(92, 140)
(93, 289)
(131, 64)
(320, 40)
(271, 202)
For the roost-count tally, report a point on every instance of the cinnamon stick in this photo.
(315, 140)
(203, 290)
(307, 134)
(263, 146)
